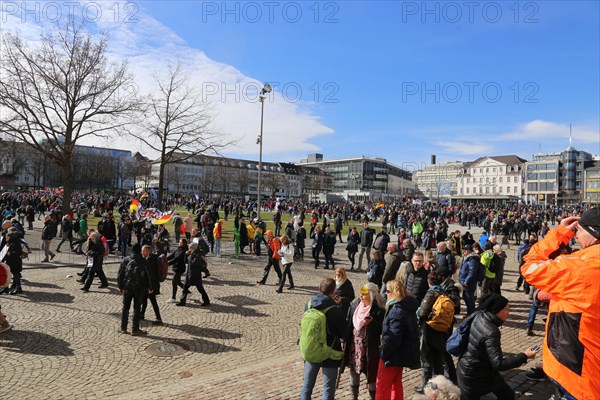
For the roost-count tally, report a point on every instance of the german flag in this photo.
(135, 206)
(379, 205)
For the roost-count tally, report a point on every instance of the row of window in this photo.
(493, 180)
(488, 190)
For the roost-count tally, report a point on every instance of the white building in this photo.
(439, 181)
(492, 179)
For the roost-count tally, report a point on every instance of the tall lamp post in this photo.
(261, 97)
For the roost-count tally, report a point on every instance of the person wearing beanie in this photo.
(570, 348)
(479, 367)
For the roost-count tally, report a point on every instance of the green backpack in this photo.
(486, 260)
(313, 337)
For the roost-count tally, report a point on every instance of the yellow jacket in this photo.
(572, 342)
(250, 230)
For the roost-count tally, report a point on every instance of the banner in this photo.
(157, 217)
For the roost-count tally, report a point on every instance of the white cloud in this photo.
(539, 129)
(151, 47)
(464, 148)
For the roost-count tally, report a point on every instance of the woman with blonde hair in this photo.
(343, 289)
(365, 318)
(399, 342)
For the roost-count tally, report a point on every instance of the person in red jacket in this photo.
(274, 245)
(572, 342)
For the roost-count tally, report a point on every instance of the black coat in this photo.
(196, 262)
(13, 255)
(177, 259)
(152, 268)
(49, 230)
(329, 243)
(243, 234)
(373, 335)
(132, 275)
(346, 292)
(400, 335)
(353, 242)
(416, 283)
(481, 362)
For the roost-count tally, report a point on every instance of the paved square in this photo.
(65, 344)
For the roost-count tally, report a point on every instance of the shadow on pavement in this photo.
(242, 301)
(30, 342)
(197, 345)
(49, 297)
(212, 281)
(199, 331)
(43, 285)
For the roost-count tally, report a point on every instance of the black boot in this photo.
(372, 394)
(355, 392)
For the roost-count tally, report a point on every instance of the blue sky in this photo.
(399, 80)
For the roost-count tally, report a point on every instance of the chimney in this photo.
(433, 159)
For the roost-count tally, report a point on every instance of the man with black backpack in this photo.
(323, 316)
(133, 283)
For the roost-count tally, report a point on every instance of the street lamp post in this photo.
(261, 97)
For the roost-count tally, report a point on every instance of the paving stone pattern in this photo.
(66, 344)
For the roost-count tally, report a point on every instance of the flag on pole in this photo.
(134, 206)
(379, 205)
(144, 195)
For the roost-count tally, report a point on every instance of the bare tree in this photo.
(177, 124)
(241, 179)
(60, 92)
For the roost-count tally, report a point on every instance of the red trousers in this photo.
(389, 383)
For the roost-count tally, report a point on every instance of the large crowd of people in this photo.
(417, 283)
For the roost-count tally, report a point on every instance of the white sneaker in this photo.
(172, 301)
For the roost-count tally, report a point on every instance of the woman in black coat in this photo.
(363, 338)
(317, 244)
(353, 240)
(14, 260)
(480, 364)
(177, 261)
(343, 289)
(399, 341)
(243, 236)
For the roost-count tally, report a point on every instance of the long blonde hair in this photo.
(396, 290)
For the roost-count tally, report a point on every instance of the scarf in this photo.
(358, 319)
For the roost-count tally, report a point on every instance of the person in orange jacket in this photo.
(572, 342)
(274, 257)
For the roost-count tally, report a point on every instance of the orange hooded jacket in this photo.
(572, 342)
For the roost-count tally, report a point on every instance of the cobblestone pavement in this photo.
(65, 344)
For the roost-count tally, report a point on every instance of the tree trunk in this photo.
(67, 185)
(161, 178)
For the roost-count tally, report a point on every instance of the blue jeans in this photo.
(311, 370)
(564, 395)
(469, 297)
(532, 313)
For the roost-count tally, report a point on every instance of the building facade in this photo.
(220, 176)
(557, 178)
(439, 181)
(492, 180)
(592, 183)
(364, 178)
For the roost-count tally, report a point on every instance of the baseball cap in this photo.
(269, 232)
